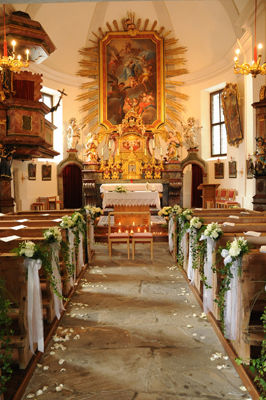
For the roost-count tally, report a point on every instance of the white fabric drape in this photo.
(58, 303)
(171, 234)
(131, 199)
(231, 303)
(71, 239)
(208, 273)
(91, 235)
(190, 269)
(35, 316)
(80, 256)
(183, 243)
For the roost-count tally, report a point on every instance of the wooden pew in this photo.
(10, 266)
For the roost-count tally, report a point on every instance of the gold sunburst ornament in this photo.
(132, 64)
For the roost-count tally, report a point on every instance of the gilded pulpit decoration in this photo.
(230, 103)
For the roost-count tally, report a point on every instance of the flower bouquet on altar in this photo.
(120, 189)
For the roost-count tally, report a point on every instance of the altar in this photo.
(130, 205)
(132, 187)
(131, 199)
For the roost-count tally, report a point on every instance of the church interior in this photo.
(133, 200)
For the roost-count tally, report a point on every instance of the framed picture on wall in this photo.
(219, 170)
(230, 103)
(250, 168)
(232, 169)
(46, 172)
(32, 172)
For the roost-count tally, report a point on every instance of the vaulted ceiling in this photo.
(208, 28)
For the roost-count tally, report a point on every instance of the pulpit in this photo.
(208, 194)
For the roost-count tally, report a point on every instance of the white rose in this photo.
(198, 224)
(214, 235)
(188, 217)
(28, 252)
(234, 251)
(227, 260)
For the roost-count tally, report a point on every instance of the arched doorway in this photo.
(72, 186)
(197, 179)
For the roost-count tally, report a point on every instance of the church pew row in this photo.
(12, 265)
(251, 285)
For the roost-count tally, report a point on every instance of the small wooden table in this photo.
(208, 194)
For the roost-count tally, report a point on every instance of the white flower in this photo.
(227, 260)
(224, 253)
(214, 234)
(234, 251)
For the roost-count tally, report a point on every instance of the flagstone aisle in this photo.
(134, 330)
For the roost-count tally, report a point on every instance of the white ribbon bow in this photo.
(35, 316)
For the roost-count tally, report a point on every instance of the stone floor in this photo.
(134, 330)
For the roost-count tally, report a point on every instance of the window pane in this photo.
(215, 109)
(215, 140)
(221, 110)
(223, 139)
(48, 100)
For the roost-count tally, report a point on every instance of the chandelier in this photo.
(12, 62)
(255, 68)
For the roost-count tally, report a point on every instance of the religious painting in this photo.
(32, 172)
(46, 172)
(219, 170)
(249, 168)
(131, 77)
(230, 104)
(232, 169)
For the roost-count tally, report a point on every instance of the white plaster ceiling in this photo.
(208, 28)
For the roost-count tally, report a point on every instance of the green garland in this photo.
(5, 333)
(226, 275)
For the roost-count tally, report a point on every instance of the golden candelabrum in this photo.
(255, 68)
(14, 62)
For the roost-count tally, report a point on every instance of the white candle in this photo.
(102, 151)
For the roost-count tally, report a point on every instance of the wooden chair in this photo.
(116, 236)
(143, 237)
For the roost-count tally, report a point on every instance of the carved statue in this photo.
(73, 134)
(190, 132)
(173, 143)
(6, 156)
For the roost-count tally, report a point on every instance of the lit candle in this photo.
(119, 223)
(133, 223)
(119, 230)
(13, 45)
(19, 57)
(131, 231)
(138, 229)
(27, 54)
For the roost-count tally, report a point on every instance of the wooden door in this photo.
(72, 186)
(197, 179)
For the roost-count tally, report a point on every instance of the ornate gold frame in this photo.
(230, 103)
(103, 73)
(171, 62)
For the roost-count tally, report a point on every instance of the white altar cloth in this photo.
(106, 187)
(137, 198)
